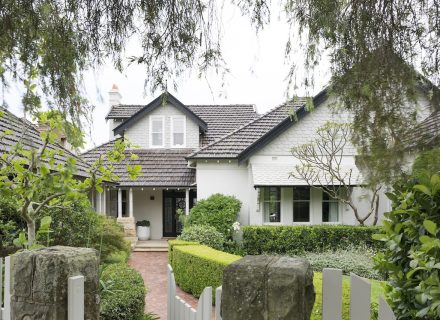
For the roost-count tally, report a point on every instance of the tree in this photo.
(383, 53)
(50, 44)
(44, 177)
(321, 166)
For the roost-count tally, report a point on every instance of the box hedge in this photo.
(173, 243)
(198, 266)
(295, 240)
(125, 294)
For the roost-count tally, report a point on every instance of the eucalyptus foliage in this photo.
(49, 44)
(384, 54)
(411, 259)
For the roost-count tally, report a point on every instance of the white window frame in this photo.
(263, 201)
(328, 201)
(152, 118)
(173, 145)
(300, 200)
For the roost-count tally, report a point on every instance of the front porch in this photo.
(158, 205)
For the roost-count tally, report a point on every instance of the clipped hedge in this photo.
(173, 243)
(295, 240)
(124, 296)
(197, 267)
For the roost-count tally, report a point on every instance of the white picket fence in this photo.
(360, 300)
(75, 293)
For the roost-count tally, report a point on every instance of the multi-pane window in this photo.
(156, 131)
(178, 131)
(272, 204)
(301, 204)
(330, 208)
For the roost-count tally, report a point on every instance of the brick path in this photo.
(153, 267)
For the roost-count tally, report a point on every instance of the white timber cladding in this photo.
(304, 131)
(139, 132)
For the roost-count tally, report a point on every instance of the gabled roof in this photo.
(28, 135)
(160, 167)
(159, 101)
(123, 111)
(244, 141)
(426, 133)
(223, 119)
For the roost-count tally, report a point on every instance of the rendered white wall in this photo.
(226, 178)
(139, 133)
(146, 209)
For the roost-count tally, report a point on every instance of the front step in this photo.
(151, 246)
(151, 249)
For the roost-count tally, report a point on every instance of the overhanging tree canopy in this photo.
(378, 49)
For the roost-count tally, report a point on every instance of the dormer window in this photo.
(156, 131)
(178, 124)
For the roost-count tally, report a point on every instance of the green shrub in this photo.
(427, 163)
(411, 258)
(206, 235)
(353, 259)
(11, 223)
(295, 240)
(124, 294)
(80, 226)
(218, 211)
(197, 267)
(173, 243)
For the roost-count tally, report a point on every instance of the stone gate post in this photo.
(39, 282)
(268, 288)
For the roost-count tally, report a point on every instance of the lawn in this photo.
(376, 291)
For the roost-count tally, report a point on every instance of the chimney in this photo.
(114, 96)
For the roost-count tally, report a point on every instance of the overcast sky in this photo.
(257, 76)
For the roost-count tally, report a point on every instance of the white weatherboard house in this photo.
(189, 152)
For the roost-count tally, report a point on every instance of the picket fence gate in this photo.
(360, 300)
(75, 294)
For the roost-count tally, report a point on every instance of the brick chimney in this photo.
(114, 97)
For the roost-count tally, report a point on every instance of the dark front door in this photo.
(172, 200)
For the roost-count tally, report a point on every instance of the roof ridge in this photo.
(99, 146)
(222, 105)
(238, 129)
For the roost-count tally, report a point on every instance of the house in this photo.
(189, 152)
(27, 134)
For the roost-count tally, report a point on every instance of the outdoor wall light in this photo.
(151, 197)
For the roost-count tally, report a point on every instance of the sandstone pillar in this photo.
(39, 282)
(268, 288)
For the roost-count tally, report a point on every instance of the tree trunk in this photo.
(31, 232)
(376, 210)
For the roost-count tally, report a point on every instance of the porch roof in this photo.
(269, 174)
(160, 167)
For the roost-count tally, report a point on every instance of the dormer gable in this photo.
(163, 99)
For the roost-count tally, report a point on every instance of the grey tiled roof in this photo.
(28, 135)
(236, 142)
(427, 133)
(123, 111)
(160, 167)
(221, 119)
